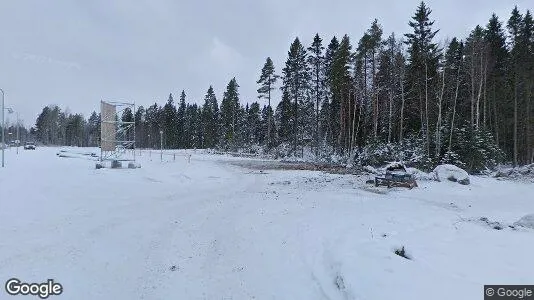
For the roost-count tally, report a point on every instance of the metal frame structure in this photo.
(114, 138)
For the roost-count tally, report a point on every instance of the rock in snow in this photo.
(452, 173)
(526, 221)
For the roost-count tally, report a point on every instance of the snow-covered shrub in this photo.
(522, 172)
(377, 153)
(474, 149)
(452, 173)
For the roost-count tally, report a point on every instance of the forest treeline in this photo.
(466, 101)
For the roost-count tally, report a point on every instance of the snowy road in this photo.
(212, 230)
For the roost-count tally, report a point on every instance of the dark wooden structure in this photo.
(396, 176)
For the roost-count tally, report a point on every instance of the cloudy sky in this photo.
(74, 53)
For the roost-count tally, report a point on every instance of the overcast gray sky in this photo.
(74, 53)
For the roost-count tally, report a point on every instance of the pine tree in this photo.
(267, 81)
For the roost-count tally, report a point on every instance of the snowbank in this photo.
(524, 172)
(419, 175)
(526, 221)
(452, 173)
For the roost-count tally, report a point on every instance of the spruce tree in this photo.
(341, 87)
(230, 110)
(328, 102)
(180, 122)
(423, 55)
(210, 120)
(283, 116)
(316, 62)
(296, 78)
(497, 86)
(169, 123)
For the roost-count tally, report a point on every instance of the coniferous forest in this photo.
(468, 101)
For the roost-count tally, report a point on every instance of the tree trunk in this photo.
(454, 108)
(426, 112)
(402, 109)
(390, 114)
(438, 124)
(515, 121)
(269, 115)
(317, 110)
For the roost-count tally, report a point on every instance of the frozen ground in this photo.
(209, 229)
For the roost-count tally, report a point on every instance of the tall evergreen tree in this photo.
(329, 104)
(210, 120)
(267, 80)
(422, 71)
(283, 117)
(497, 88)
(169, 123)
(180, 122)
(229, 115)
(342, 92)
(316, 61)
(296, 77)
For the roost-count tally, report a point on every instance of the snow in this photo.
(209, 229)
(452, 173)
(526, 221)
(420, 175)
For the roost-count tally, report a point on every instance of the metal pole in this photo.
(3, 125)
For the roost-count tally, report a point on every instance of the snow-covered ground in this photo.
(209, 229)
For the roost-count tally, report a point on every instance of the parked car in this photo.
(29, 146)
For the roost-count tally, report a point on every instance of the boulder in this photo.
(451, 173)
(526, 221)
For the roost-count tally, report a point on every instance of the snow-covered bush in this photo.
(522, 172)
(377, 153)
(452, 173)
(474, 150)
